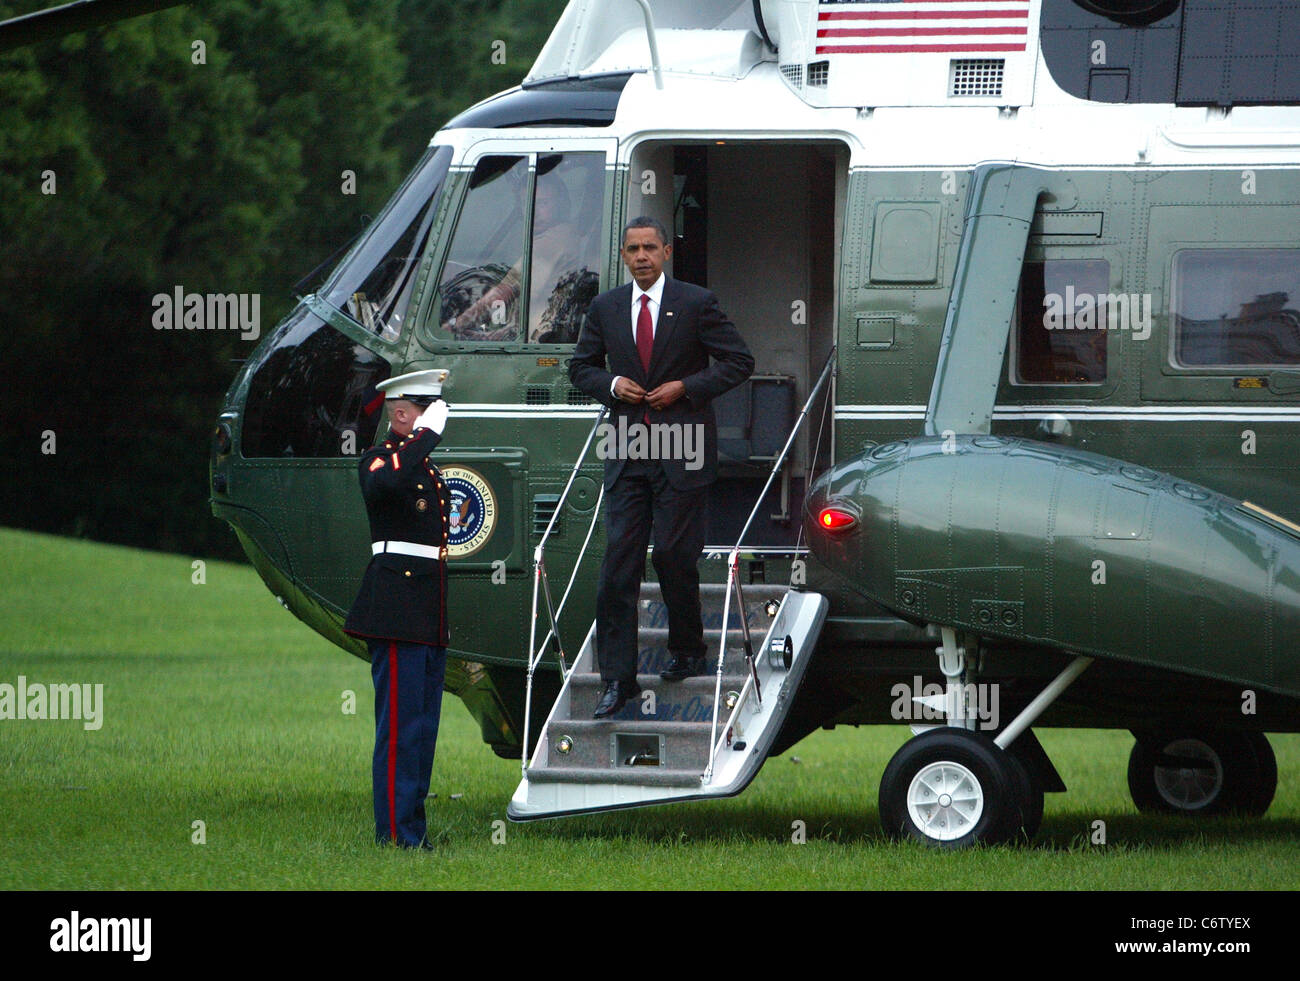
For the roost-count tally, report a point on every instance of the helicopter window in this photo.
(1236, 307)
(482, 278)
(373, 284)
(566, 241)
(1061, 322)
(312, 393)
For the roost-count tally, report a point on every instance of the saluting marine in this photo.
(401, 609)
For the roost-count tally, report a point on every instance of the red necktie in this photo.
(645, 334)
(645, 342)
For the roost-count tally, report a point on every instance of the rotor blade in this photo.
(81, 15)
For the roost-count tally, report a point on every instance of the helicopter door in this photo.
(756, 221)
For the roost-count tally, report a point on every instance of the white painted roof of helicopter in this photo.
(1056, 130)
(720, 84)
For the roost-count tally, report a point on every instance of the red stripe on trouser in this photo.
(392, 739)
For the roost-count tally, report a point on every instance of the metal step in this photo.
(610, 743)
(716, 590)
(640, 776)
(688, 700)
(653, 612)
(653, 655)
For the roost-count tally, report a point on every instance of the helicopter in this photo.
(1020, 280)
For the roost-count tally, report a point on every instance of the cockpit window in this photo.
(481, 280)
(373, 284)
(483, 285)
(1236, 308)
(566, 245)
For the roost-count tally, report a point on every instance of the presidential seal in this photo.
(473, 511)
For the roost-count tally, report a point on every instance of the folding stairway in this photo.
(656, 749)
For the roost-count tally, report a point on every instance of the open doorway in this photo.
(757, 222)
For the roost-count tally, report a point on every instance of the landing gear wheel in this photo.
(1205, 773)
(952, 788)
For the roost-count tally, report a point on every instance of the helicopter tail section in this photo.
(1059, 548)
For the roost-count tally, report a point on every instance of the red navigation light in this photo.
(836, 519)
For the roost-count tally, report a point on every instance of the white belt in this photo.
(405, 548)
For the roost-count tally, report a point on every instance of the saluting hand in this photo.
(434, 417)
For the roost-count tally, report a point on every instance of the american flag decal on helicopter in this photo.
(910, 26)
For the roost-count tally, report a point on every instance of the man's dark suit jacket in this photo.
(691, 329)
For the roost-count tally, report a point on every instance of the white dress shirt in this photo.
(656, 293)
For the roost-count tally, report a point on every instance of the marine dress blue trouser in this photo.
(408, 701)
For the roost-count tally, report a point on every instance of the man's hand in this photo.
(434, 417)
(626, 390)
(666, 394)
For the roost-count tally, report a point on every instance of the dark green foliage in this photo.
(222, 177)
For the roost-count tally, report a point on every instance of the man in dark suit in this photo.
(401, 608)
(670, 352)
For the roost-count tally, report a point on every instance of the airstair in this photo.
(698, 738)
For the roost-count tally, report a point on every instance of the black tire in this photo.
(1199, 774)
(981, 782)
(1266, 786)
(1030, 797)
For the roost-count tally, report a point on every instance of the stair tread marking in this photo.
(758, 590)
(650, 726)
(714, 632)
(709, 680)
(641, 775)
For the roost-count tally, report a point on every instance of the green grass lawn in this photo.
(220, 707)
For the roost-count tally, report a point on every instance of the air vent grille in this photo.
(793, 74)
(819, 73)
(578, 398)
(975, 76)
(543, 507)
(537, 395)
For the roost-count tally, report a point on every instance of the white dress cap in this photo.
(426, 384)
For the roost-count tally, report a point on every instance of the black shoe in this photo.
(683, 667)
(615, 697)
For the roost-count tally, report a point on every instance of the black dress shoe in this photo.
(615, 697)
(683, 667)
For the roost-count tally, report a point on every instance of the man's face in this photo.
(644, 255)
